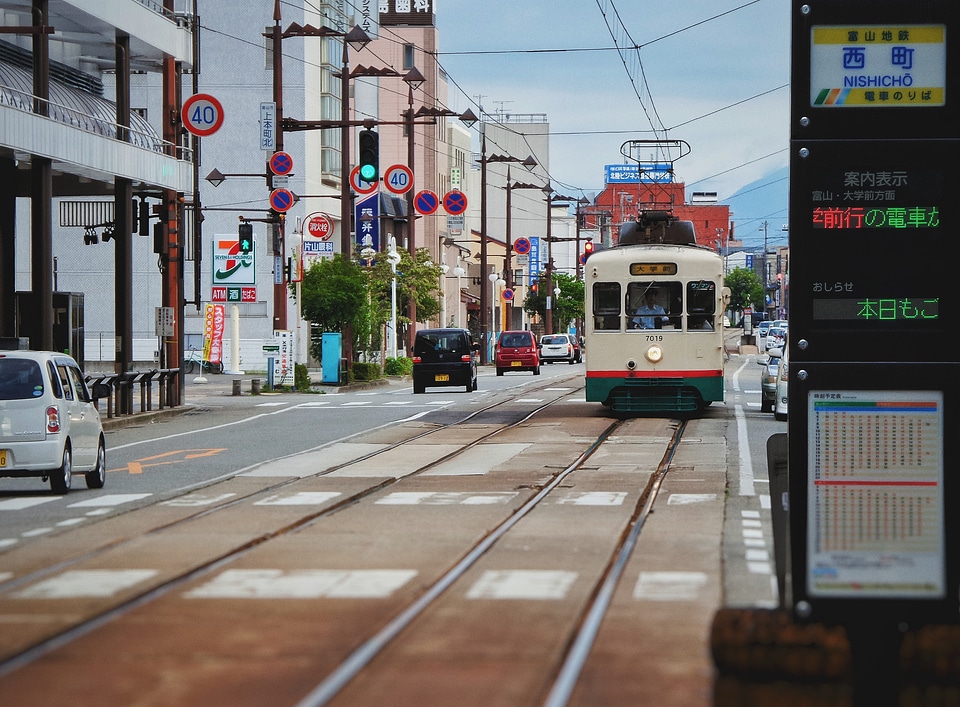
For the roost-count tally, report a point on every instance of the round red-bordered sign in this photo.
(521, 246)
(319, 225)
(281, 163)
(360, 186)
(507, 295)
(398, 179)
(281, 200)
(202, 114)
(455, 202)
(426, 202)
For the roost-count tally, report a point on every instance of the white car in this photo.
(558, 347)
(780, 404)
(49, 423)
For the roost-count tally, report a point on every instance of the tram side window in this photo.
(701, 305)
(606, 306)
(654, 305)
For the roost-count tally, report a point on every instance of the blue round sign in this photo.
(281, 200)
(521, 246)
(455, 202)
(281, 163)
(426, 202)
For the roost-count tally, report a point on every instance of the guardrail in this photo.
(160, 381)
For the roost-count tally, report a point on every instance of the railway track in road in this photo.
(172, 566)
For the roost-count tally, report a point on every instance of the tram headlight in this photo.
(654, 354)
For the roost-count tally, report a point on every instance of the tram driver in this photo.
(649, 315)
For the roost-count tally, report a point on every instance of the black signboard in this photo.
(874, 250)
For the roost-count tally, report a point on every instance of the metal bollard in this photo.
(254, 386)
(236, 386)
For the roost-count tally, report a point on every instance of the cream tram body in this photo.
(644, 363)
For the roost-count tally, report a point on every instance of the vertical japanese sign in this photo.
(268, 126)
(283, 357)
(367, 218)
(213, 322)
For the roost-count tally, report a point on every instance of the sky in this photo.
(714, 74)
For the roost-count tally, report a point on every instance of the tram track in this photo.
(60, 565)
(376, 640)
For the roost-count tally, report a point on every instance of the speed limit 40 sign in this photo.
(202, 114)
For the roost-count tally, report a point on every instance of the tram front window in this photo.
(654, 305)
(701, 305)
(606, 306)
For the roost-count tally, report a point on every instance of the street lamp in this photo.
(459, 272)
(394, 258)
(529, 163)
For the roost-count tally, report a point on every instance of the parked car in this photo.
(776, 338)
(559, 347)
(49, 423)
(517, 351)
(780, 406)
(444, 357)
(768, 379)
(760, 331)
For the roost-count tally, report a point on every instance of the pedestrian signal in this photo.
(245, 237)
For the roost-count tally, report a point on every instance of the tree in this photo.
(567, 306)
(333, 296)
(746, 290)
(417, 276)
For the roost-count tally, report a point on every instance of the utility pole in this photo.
(277, 243)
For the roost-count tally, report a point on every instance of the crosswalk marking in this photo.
(300, 498)
(19, 504)
(593, 498)
(440, 498)
(669, 586)
(303, 584)
(85, 583)
(109, 499)
(522, 584)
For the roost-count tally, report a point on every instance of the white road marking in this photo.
(669, 586)
(593, 498)
(682, 499)
(522, 584)
(109, 500)
(19, 504)
(440, 498)
(303, 584)
(301, 498)
(85, 583)
(195, 500)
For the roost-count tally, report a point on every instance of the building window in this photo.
(408, 56)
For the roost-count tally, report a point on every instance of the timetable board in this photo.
(875, 498)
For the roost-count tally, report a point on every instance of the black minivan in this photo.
(444, 357)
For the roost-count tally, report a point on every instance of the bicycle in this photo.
(196, 360)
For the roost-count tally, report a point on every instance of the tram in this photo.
(653, 327)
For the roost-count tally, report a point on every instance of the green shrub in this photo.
(398, 366)
(366, 371)
(301, 378)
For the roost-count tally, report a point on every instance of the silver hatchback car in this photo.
(49, 423)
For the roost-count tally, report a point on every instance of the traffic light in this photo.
(368, 157)
(245, 236)
(587, 249)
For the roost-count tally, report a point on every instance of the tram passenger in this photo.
(643, 318)
(700, 323)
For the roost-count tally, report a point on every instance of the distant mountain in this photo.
(766, 199)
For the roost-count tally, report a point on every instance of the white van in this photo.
(49, 423)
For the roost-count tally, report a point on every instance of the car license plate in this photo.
(3, 457)
(441, 377)
(516, 363)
